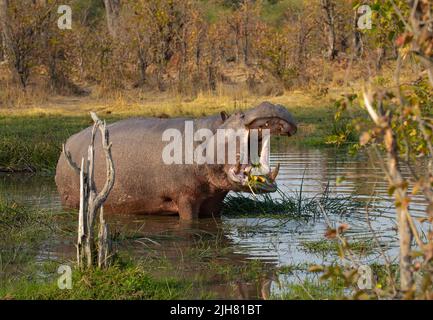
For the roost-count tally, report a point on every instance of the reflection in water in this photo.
(28, 189)
(237, 240)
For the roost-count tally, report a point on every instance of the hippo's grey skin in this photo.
(146, 185)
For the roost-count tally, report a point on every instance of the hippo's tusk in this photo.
(233, 176)
(238, 166)
(275, 172)
(264, 155)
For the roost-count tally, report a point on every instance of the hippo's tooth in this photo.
(264, 155)
(238, 166)
(234, 177)
(275, 172)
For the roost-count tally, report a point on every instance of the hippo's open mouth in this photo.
(257, 175)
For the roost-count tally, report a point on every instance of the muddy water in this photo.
(231, 242)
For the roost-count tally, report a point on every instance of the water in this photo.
(237, 240)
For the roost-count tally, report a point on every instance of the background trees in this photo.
(189, 46)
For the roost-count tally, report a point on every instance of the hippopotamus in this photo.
(146, 184)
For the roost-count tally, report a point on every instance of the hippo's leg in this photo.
(188, 207)
(211, 207)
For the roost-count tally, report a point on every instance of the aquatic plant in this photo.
(22, 230)
(296, 205)
(325, 247)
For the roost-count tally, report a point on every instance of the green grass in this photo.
(33, 143)
(130, 282)
(22, 230)
(25, 235)
(312, 289)
(335, 282)
(288, 206)
(290, 269)
(251, 270)
(332, 246)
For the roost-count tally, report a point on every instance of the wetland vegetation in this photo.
(209, 266)
(334, 213)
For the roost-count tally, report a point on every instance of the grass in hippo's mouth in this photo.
(294, 206)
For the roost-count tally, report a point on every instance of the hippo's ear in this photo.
(224, 115)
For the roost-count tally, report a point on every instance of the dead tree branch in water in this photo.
(92, 251)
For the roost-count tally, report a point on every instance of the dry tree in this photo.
(92, 250)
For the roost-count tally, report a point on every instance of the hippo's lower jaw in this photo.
(252, 178)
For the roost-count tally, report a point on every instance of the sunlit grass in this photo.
(119, 282)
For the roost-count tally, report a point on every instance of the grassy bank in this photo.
(31, 138)
(130, 282)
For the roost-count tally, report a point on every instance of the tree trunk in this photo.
(2, 52)
(212, 70)
(245, 28)
(328, 10)
(358, 45)
(11, 50)
(247, 39)
(112, 11)
(4, 34)
(89, 251)
(237, 36)
(381, 54)
(142, 67)
(302, 41)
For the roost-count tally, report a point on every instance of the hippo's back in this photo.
(141, 175)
